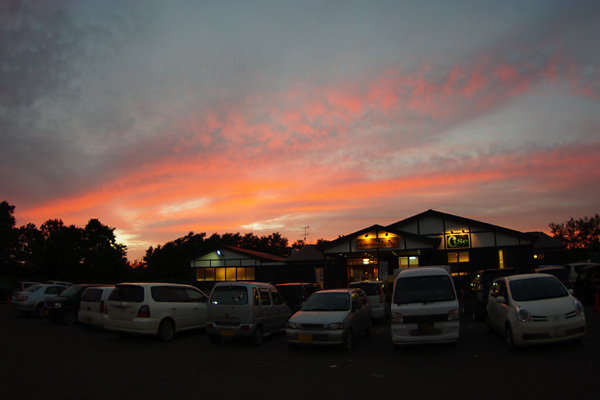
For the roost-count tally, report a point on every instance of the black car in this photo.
(475, 299)
(562, 273)
(66, 306)
(296, 294)
(588, 283)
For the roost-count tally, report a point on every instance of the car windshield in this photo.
(370, 288)
(424, 289)
(537, 289)
(327, 302)
(229, 295)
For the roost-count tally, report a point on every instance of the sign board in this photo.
(377, 243)
(457, 241)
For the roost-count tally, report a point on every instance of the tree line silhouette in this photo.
(91, 254)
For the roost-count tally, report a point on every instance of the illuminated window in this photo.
(210, 274)
(500, 259)
(408, 262)
(458, 257)
(250, 274)
(220, 274)
(230, 274)
(200, 274)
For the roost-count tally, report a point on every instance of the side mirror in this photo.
(501, 299)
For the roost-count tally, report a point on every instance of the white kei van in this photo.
(424, 307)
(245, 309)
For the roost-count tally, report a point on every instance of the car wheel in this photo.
(508, 338)
(257, 337)
(39, 310)
(166, 330)
(69, 317)
(348, 341)
(214, 339)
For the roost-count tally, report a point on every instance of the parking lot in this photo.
(42, 359)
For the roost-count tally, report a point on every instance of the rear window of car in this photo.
(132, 293)
(92, 295)
(229, 295)
(370, 289)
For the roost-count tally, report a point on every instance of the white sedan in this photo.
(534, 308)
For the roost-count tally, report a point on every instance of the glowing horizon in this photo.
(200, 118)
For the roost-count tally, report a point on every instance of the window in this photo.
(229, 295)
(230, 274)
(225, 274)
(458, 257)
(195, 296)
(277, 299)
(265, 299)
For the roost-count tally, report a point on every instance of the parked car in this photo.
(31, 299)
(562, 273)
(25, 284)
(380, 310)
(65, 306)
(574, 269)
(161, 309)
(424, 307)
(247, 310)
(533, 309)
(60, 283)
(93, 305)
(475, 299)
(588, 283)
(296, 294)
(331, 317)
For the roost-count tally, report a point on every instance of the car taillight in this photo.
(144, 312)
(102, 309)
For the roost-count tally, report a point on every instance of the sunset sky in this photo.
(163, 117)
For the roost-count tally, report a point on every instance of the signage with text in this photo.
(457, 241)
(377, 243)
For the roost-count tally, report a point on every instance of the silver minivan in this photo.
(246, 310)
(424, 307)
(160, 309)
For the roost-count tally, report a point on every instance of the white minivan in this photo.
(245, 309)
(160, 309)
(424, 307)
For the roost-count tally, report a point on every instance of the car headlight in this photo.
(397, 318)
(335, 326)
(523, 314)
(453, 315)
(578, 307)
(292, 325)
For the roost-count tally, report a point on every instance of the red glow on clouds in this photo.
(305, 153)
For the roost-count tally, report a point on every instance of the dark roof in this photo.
(376, 227)
(439, 214)
(308, 252)
(256, 254)
(546, 242)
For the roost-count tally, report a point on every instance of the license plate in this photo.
(426, 327)
(226, 332)
(305, 338)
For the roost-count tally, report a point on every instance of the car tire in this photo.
(166, 330)
(69, 317)
(257, 337)
(509, 339)
(348, 341)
